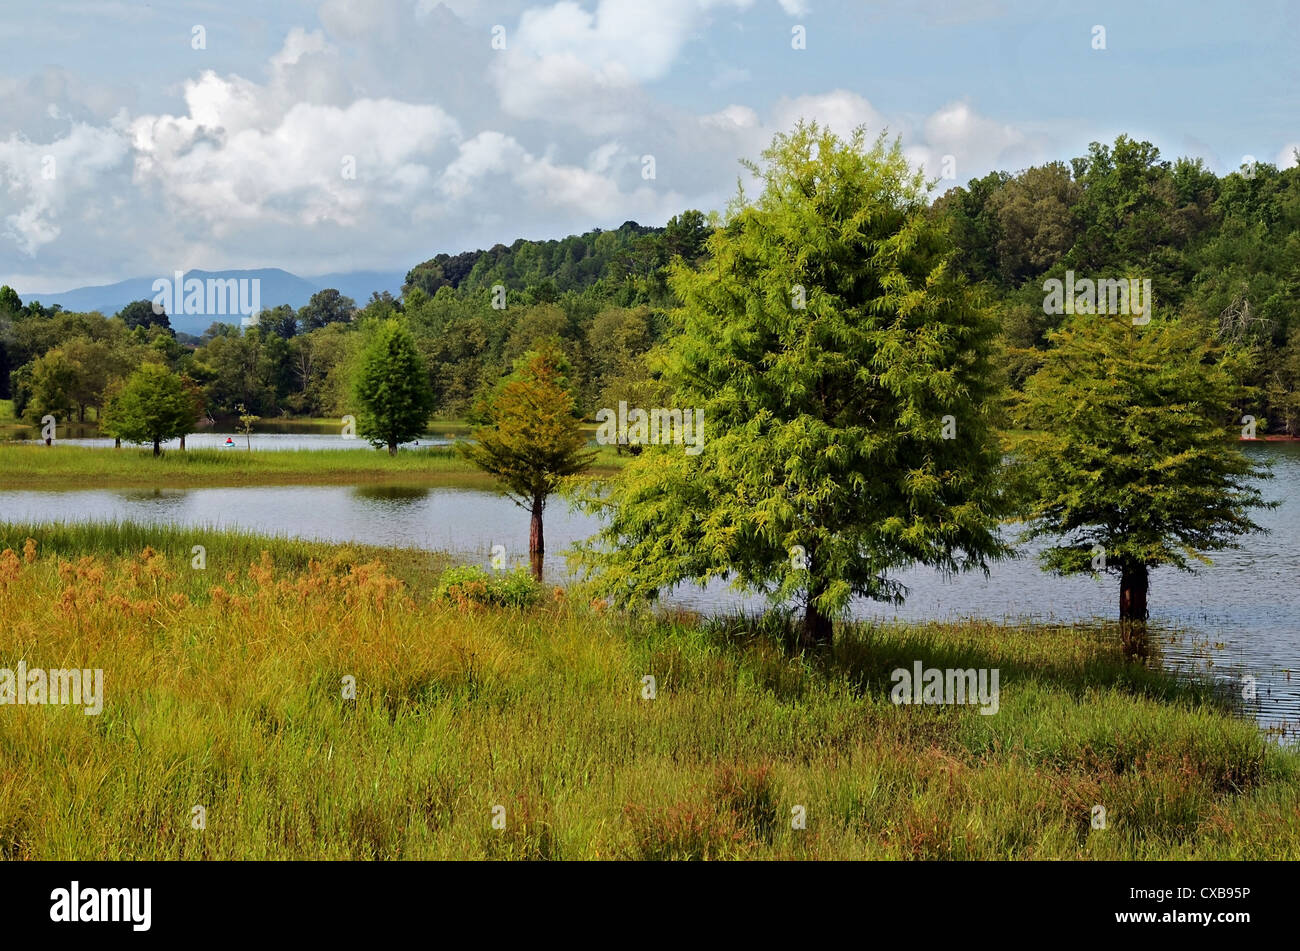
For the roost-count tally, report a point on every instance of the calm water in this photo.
(260, 442)
(1239, 617)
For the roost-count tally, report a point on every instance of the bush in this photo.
(472, 585)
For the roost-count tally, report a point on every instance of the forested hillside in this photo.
(1220, 252)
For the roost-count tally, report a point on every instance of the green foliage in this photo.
(49, 383)
(326, 307)
(627, 259)
(825, 422)
(10, 303)
(533, 438)
(1130, 447)
(153, 406)
(280, 321)
(392, 389)
(474, 585)
(247, 421)
(1225, 251)
(141, 313)
(234, 372)
(1036, 220)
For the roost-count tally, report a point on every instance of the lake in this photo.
(1237, 618)
(259, 442)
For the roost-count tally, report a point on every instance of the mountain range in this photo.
(277, 287)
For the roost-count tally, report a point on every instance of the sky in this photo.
(137, 139)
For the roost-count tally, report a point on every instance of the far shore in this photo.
(38, 467)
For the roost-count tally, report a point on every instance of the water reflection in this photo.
(390, 496)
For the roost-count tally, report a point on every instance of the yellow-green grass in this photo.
(54, 467)
(224, 550)
(9, 424)
(224, 690)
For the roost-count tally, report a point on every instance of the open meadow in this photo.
(226, 688)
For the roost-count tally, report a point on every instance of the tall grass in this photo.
(225, 549)
(225, 690)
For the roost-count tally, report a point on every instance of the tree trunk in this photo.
(536, 537)
(117, 442)
(1134, 583)
(182, 444)
(818, 630)
(392, 448)
(157, 448)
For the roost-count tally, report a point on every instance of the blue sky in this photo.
(125, 151)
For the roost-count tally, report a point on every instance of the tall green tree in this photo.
(281, 321)
(532, 440)
(10, 303)
(52, 379)
(140, 313)
(326, 307)
(1035, 215)
(844, 375)
(1130, 459)
(392, 388)
(153, 406)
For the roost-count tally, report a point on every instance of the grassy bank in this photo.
(72, 467)
(224, 690)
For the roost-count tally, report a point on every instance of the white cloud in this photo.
(587, 67)
(455, 145)
(539, 184)
(218, 166)
(47, 182)
(841, 111)
(623, 38)
(298, 43)
(1287, 157)
(956, 136)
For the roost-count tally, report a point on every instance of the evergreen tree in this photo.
(1128, 460)
(844, 377)
(392, 388)
(533, 439)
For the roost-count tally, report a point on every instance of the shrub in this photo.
(472, 585)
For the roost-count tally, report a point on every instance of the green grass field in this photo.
(224, 690)
(52, 467)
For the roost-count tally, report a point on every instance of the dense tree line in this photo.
(1223, 253)
(1220, 252)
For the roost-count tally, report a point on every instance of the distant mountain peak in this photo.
(277, 286)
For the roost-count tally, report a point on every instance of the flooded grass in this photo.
(224, 689)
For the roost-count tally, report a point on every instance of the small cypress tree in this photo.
(1128, 461)
(532, 440)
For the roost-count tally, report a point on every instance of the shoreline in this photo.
(34, 467)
